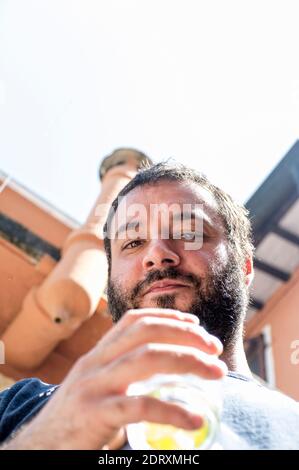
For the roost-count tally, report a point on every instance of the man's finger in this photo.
(117, 411)
(159, 330)
(151, 359)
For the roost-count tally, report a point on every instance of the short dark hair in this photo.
(234, 216)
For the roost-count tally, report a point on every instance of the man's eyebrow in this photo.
(127, 226)
(193, 215)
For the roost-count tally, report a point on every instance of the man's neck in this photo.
(235, 358)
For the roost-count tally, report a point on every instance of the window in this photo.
(259, 355)
(255, 353)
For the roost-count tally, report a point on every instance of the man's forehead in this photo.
(171, 193)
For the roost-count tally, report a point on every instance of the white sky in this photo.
(214, 84)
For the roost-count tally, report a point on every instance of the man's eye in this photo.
(188, 236)
(132, 244)
(192, 236)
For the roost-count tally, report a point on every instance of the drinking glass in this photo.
(195, 394)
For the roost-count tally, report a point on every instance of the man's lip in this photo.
(164, 285)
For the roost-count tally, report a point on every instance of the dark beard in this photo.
(220, 304)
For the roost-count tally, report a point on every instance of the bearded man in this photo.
(179, 253)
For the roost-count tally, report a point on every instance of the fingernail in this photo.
(221, 365)
(217, 343)
(196, 421)
(192, 317)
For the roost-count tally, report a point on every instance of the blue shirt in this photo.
(262, 418)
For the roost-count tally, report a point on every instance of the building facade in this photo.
(272, 330)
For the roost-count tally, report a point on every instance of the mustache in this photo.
(168, 273)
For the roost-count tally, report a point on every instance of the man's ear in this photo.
(248, 269)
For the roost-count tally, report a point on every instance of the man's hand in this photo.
(91, 407)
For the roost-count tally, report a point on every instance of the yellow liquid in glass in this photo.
(167, 437)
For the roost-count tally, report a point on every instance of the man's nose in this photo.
(160, 255)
